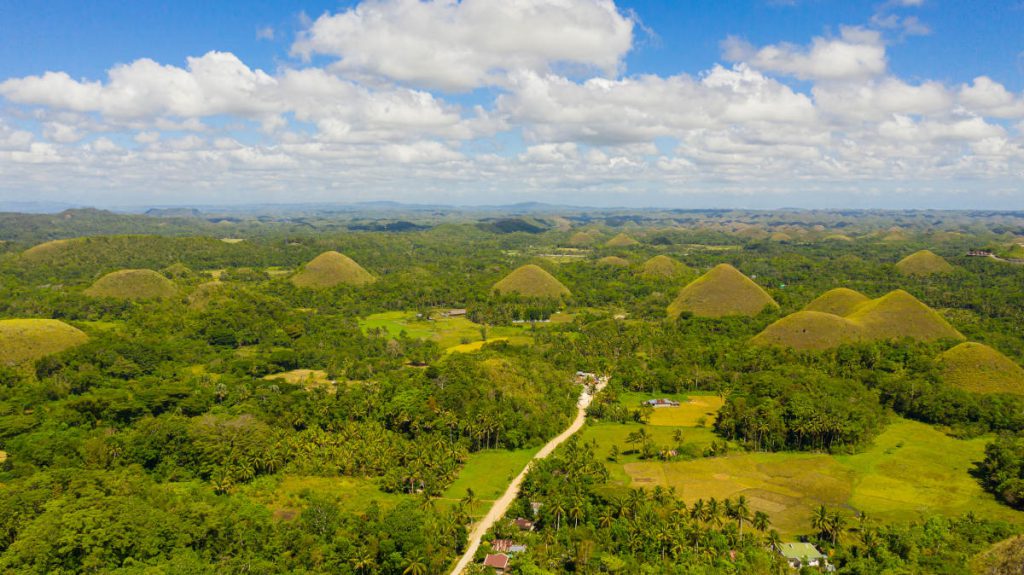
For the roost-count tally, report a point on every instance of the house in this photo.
(979, 253)
(800, 555)
(535, 507)
(497, 561)
(455, 313)
(662, 402)
(523, 524)
(507, 546)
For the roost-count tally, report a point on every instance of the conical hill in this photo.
(531, 281)
(979, 368)
(132, 284)
(330, 269)
(839, 301)
(722, 291)
(923, 263)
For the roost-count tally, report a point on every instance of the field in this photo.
(911, 471)
(285, 494)
(308, 378)
(452, 333)
(488, 473)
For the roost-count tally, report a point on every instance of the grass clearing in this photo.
(285, 494)
(308, 378)
(488, 473)
(911, 472)
(450, 333)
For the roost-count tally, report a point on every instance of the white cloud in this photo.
(986, 96)
(857, 54)
(265, 33)
(460, 45)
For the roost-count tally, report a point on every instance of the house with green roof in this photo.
(800, 555)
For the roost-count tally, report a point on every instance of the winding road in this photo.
(501, 505)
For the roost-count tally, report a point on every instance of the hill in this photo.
(839, 301)
(720, 292)
(132, 284)
(810, 330)
(898, 314)
(979, 368)
(531, 281)
(663, 267)
(613, 261)
(25, 340)
(1003, 558)
(330, 269)
(580, 239)
(923, 263)
(205, 293)
(621, 241)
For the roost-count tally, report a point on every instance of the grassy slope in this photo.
(662, 266)
(133, 284)
(979, 368)
(531, 281)
(24, 340)
(923, 263)
(898, 314)
(621, 241)
(330, 269)
(447, 332)
(613, 261)
(809, 330)
(720, 292)
(839, 301)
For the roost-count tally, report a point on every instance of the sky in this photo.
(685, 103)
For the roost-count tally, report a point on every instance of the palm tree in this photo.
(741, 511)
(836, 523)
(559, 510)
(576, 512)
(774, 540)
(470, 499)
(761, 521)
(606, 519)
(415, 567)
(820, 520)
(364, 562)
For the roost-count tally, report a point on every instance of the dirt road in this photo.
(500, 507)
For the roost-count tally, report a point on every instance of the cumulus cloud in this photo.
(858, 53)
(460, 45)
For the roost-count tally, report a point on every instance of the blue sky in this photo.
(764, 102)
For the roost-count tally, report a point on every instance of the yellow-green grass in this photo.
(284, 494)
(614, 261)
(839, 301)
(448, 333)
(1003, 558)
(308, 378)
(26, 340)
(663, 267)
(692, 407)
(177, 270)
(923, 263)
(46, 249)
(898, 314)
(488, 474)
(331, 269)
(622, 240)
(205, 293)
(3, 456)
(581, 239)
(838, 238)
(912, 471)
(780, 237)
(810, 330)
(531, 281)
(721, 292)
(132, 285)
(979, 368)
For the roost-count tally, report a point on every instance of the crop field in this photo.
(488, 474)
(911, 471)
(692, 408)
(446, 332)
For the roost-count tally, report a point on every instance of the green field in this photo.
(912, 471)
(446, 332)
(285, 494)
(488, 473)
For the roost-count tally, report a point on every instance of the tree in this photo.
(761, 521)
(416, 566)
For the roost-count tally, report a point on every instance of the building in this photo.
(662, 402)
(800, 555)
(507, 546)
(523, 524)
(979, 253)
(455, 313)
(497, 561)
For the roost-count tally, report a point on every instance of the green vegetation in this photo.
(331, 269)
(1002, 471)
(487, 474)
(721, 292)
(132, 285)
(26, 340)
(664, 267)
(621, 241)
(923, 263)
(613, 261)
(1003, 558)
(979, 368)
(531, 281)
(581, 240)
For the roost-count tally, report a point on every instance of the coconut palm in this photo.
(761, 521)
(415, 567)
(741, 511)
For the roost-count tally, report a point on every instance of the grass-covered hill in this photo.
(839, 301)
(132, 284)
(895, 315)
(721, 292)
(614, 261)
(663, 267)
(923, 263)
(330, 269)
(621, 241)
(25, 340)
(531, 281)
(979, 368)
(810, 330)
(580, 239)
(205, 293)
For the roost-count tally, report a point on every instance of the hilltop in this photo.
(205, 293)
(621, 241)
(843, 316)
(132, 284)
(580, 239)
(663, 267)
(531, 281)
(722, 291)
(898, 314)
(979, 368)
(330, 269)
(839, 301)
(923, 263)
(810, 330)
(615, 261)
(26, 340)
